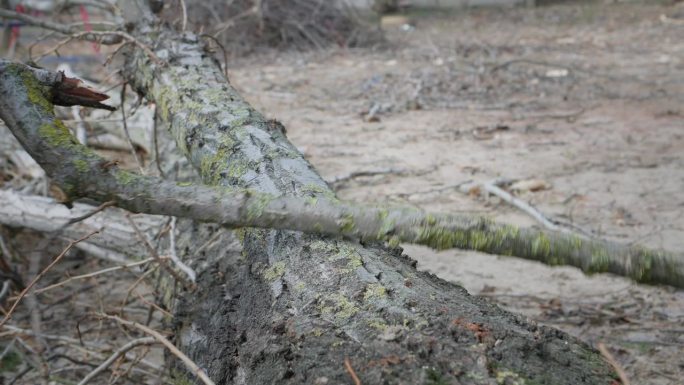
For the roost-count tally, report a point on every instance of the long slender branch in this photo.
(100, 37)
(26, 108)
(93, 274)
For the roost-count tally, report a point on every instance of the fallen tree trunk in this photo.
(291, 307)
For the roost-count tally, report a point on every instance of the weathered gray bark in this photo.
(290, 307)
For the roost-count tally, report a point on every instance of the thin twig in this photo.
(611, 360)
(5, 256)
(42, 273)
(11, 330)
(61, 28)
(222, 27)
(156, 256)
(104, 5)
(133, 286)
(4, 290)
(154, 305)
(365, 173)
(350, 370)
(155, 133)
(88, 348)
(35, 314)
(192, 367)
(98, 37)
(127, 133)
(223, 49)
(174, 256)
(92, 274)
(505, 196)
(7, 349)
(87, 215)
(117, 374)
(184, 12)
(118, 353)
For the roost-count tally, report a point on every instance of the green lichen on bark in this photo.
(126, 178)
(643, 271)
(81, 165)
(338, 306)
(58, 135)
(256, 205)
(237, 168)
(38, 94)
(599, 261)
(338, 252)
(374, 291)
(211, 167)
(386, 224)
(507, 377)
(317, 190)
(275, 271)
(300, 286)
(481, 237)
(380, 325)
(346, 223)
(541, 245)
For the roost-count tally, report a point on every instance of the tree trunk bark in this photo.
(281, 307)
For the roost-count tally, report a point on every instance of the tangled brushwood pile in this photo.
(244, 25)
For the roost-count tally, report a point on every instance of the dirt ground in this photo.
(588, 99)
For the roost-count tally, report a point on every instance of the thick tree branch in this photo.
(26, 108)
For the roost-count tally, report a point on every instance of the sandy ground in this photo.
(587, 99)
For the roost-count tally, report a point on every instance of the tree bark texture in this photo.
(288, 308)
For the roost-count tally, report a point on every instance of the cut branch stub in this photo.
(69, 92)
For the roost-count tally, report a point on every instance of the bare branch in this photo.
(118, 353)
(158, 258)
(100, 37)
(93, 274)
(192, 367)
(40, 275)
